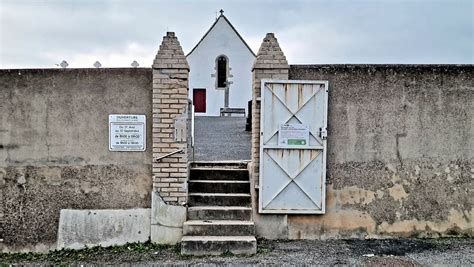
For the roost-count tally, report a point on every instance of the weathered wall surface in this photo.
(87, 228)
(54, 148)
(400, 153)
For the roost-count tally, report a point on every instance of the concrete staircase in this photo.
(219, 211)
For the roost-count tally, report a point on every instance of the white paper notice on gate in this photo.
(293, 135)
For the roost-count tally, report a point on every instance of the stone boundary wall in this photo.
(400, 154)
(400, 157)
(54, 139)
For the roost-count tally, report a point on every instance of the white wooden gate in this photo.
(293, 146)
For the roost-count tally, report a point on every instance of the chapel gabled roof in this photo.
(231, 26)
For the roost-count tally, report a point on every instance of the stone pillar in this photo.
(270, 64)
(170, 101)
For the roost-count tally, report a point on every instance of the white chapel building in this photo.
(220, 76)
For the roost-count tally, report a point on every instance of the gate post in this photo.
(169, 130)
(169, 139)
(270, 64)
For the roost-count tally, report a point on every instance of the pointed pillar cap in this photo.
(270, 55)
(170, 55)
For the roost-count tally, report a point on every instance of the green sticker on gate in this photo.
(297, 142)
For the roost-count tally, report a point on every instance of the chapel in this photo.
(221, 71)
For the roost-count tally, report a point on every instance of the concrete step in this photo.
(218, 199)
(219, 213)
(232, 164)
(218, 228)
(211, 173)
(218, 186)
(217, 245)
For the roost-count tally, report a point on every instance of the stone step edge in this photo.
(220, 181)
(220, 194)
(236, 161)
(217, 169)
(219, 208)
(224, 238)
(233, 163)
(218, 222)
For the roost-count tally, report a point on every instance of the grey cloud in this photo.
(309, 31)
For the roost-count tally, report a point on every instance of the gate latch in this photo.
(323, 133)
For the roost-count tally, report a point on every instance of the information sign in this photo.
(293, 135)
(127, 132)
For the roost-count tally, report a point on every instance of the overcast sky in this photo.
(36, 33)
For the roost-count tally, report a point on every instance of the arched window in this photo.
(221, 72)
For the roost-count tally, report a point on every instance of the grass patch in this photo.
(64, 256)
(227, 253)
(265, 246)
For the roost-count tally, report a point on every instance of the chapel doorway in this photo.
(199, 100)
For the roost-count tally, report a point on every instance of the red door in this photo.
(199, 100)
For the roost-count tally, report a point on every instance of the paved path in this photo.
(221, 138)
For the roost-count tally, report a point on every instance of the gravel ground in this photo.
(393, 252)
(221, 138)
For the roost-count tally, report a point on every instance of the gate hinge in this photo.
(323, 133)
